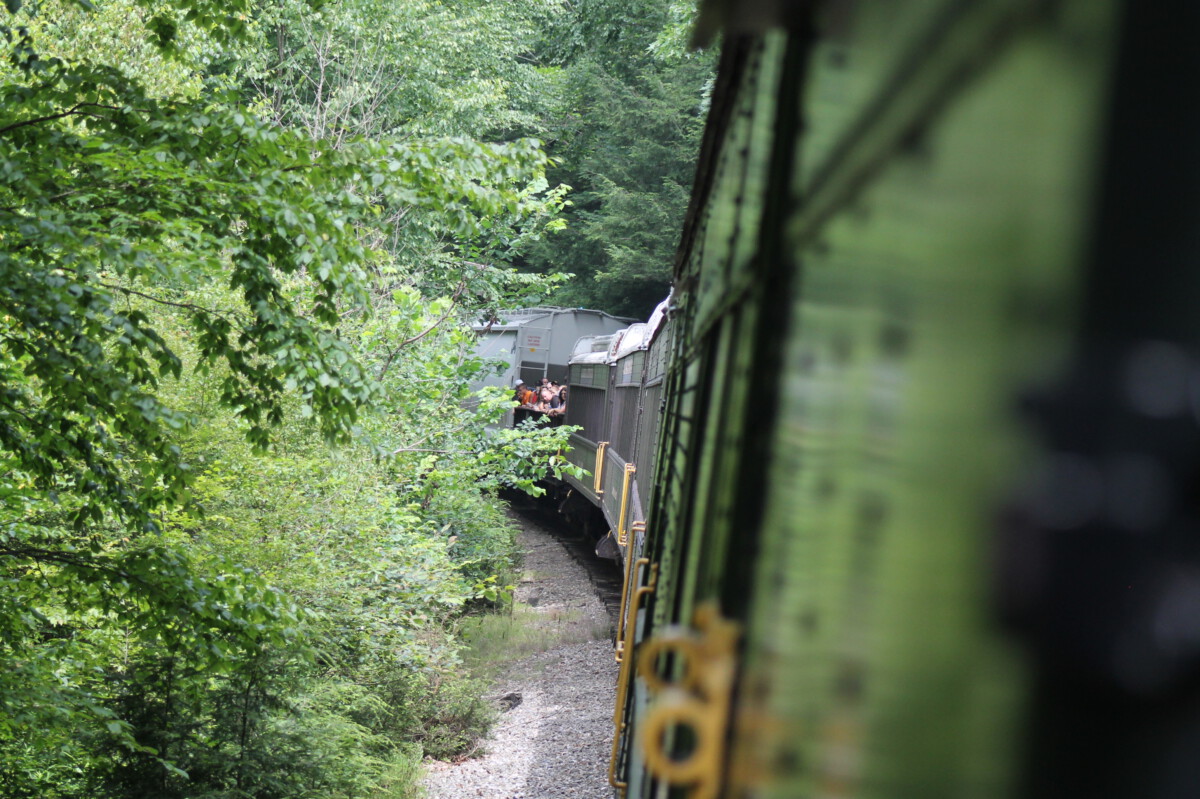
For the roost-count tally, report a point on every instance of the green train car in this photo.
(923, 514)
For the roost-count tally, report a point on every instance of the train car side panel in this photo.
(936, 282)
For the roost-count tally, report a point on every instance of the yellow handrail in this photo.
(630, 565)
(598, 472)
(623, 678)
(630, 568)
(622, 533)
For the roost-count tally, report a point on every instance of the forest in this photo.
(246, 495)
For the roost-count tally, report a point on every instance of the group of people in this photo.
(547, 399)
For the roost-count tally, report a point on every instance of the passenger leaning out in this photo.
(555, 406)
(525, 397)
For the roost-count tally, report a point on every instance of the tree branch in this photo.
(437, 323)
(186, 306)
(75, 109)
(434, 451)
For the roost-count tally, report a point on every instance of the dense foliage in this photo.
(224, 249)
(625, 134)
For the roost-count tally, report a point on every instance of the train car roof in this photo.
(516, 318)
(592, 345)
(613, 347)
(636, 337)
(594, 349)
(591, 357)
(639, 336)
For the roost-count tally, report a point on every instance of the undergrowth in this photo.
(496, 641)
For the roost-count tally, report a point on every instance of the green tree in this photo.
(626, 138)
(419, 68)
(156, 234)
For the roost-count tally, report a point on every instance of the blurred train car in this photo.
(921, 520)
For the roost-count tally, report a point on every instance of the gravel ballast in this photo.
(554, 733)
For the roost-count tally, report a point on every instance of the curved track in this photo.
(554, 735)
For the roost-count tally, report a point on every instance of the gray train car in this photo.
(614, 394)
(533, 343)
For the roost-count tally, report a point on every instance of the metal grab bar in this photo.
(598, 472)
(631, 566)
(624, 676)
(622, 533)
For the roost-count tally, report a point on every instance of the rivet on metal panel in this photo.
(809, 621)
(624, 675)
(917, 145)
(622, 533)
(842, 347)
(699, 702)
(894, 339)
(598, 482)
(826, 488)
